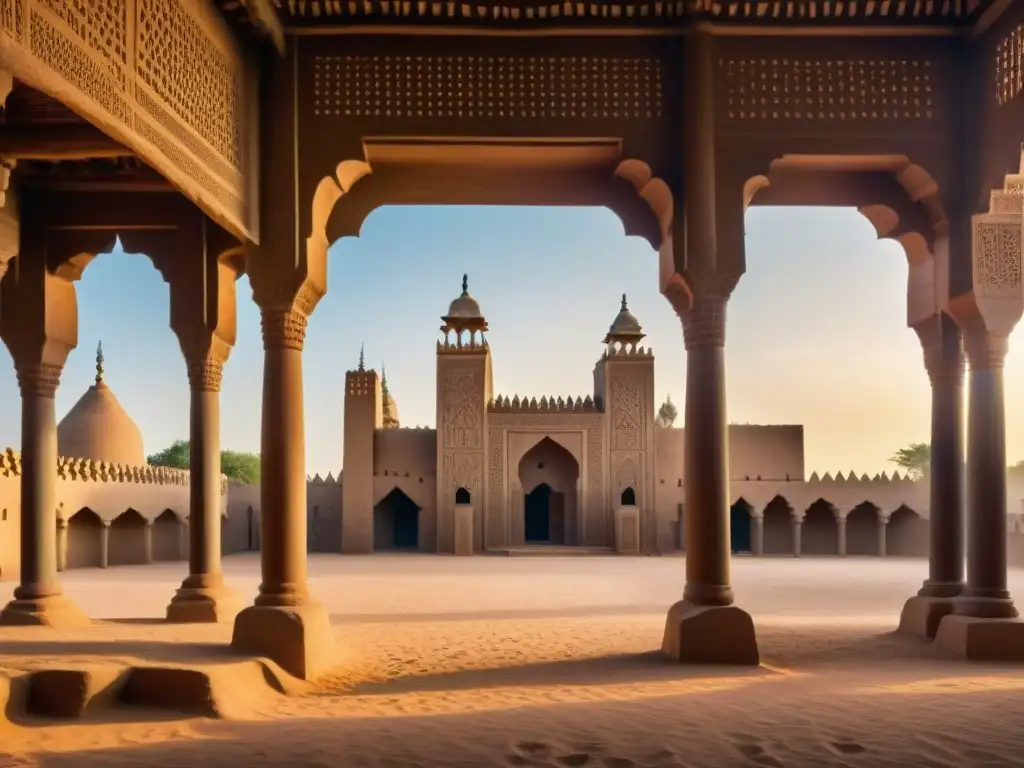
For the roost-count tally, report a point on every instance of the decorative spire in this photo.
(362, 361)
(99, 362)
(624, 307)
(465, 284)
(383, 378)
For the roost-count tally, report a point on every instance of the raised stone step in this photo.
(535, 550)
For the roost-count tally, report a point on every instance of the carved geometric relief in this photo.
(521, 87)
(1010, 65)
(626, 402)
(627, 471)
(461, 412)
(783, 88)
(166, 70)
(997, 259)
(463, 470)
(495, 482)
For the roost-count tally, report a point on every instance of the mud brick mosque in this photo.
(588, 473)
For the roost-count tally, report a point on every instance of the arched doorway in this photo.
(127, 539)
(167, 537)
(819, 534)
(396, 522)
(906, 534)
(862, 530)
(85, 532)
(778, 527)
(548, 474)
(739, 526)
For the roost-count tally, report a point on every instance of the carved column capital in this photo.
(704, 321)
(942, 366)
(283, 327)
(36, 379)
(204, 373)
(986, 350)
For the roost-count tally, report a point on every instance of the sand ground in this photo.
(492, 661)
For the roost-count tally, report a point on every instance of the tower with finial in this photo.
(99, 363)
(463, 391)
(364, 414)
(624, 382)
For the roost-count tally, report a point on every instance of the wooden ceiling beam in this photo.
(58, 142)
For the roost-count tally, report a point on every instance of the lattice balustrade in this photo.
(526, 87)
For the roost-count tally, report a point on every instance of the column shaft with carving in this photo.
(706, 452)
(986, 594)
(39, 325)
(203, 596)
(285, 623)
(944, 360)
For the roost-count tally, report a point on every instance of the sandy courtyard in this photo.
(492, 661)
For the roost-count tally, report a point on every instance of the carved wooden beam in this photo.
(58, 142)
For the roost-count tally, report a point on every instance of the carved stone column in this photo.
(104, 543)
(880, 532)
(39, 599)
(944, 361)
(62, 544)
(757, 532)
(203, 596)
(984, 625)
(285, 623)
(841, 533)
(797, 530)
(705, 626)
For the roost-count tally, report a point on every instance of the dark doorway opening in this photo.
(739, 526)
(538, 514)
(396, 522)
(628, 497)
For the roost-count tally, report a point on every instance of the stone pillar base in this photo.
(54, 611)
(627, 530)
(462, 529)
(216, 605)
(921, 615)
(298, 638)
(698, 634)
(981, 639)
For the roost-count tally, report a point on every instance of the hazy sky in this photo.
(816, 333)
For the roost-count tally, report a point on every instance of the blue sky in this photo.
(816, 336)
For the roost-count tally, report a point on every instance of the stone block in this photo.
(463, 529)
(699, 634)
(54, 611)
(217, 605)
(627, 530)
(70, 693)
(921, 615)
(981, 639)
(297, 638)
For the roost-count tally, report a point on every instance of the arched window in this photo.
(629, 497)
(461, 496)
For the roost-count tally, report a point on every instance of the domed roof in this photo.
(98, 428)
(625, 325)
(465, 307)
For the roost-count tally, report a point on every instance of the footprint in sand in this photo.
(575, 760)
(758, 755)
(529, 753)
(848, 747)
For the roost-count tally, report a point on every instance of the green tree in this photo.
(237, 465)
(914, 459)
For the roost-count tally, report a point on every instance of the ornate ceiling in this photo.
(607, 13)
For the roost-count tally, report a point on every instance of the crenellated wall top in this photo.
(633, 353)
(88, 470)
(504, 404)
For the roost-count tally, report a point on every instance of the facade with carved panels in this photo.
(675, 115)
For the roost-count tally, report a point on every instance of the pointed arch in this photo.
(819, 534)
(127, 539)
(85, 531)
(778, 527)
(167, 537)
(740, 526)
(396, 522)
(906, 534)
(862, 530)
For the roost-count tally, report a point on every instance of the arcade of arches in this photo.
(701, 113)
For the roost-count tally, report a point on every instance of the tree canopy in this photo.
(914, 459)
(237, 465)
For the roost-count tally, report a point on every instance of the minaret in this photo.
(99, 363)
(624, 379)
(463, 391)
(388, 405)
(363, 416)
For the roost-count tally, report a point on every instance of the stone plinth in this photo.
(921, 615)
(980, 639)
(298, 638)
(462, 528)
(627, 530)
(703, 634)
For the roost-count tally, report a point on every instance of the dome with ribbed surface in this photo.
(625, 327)
(465, 307)
(98, 428)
